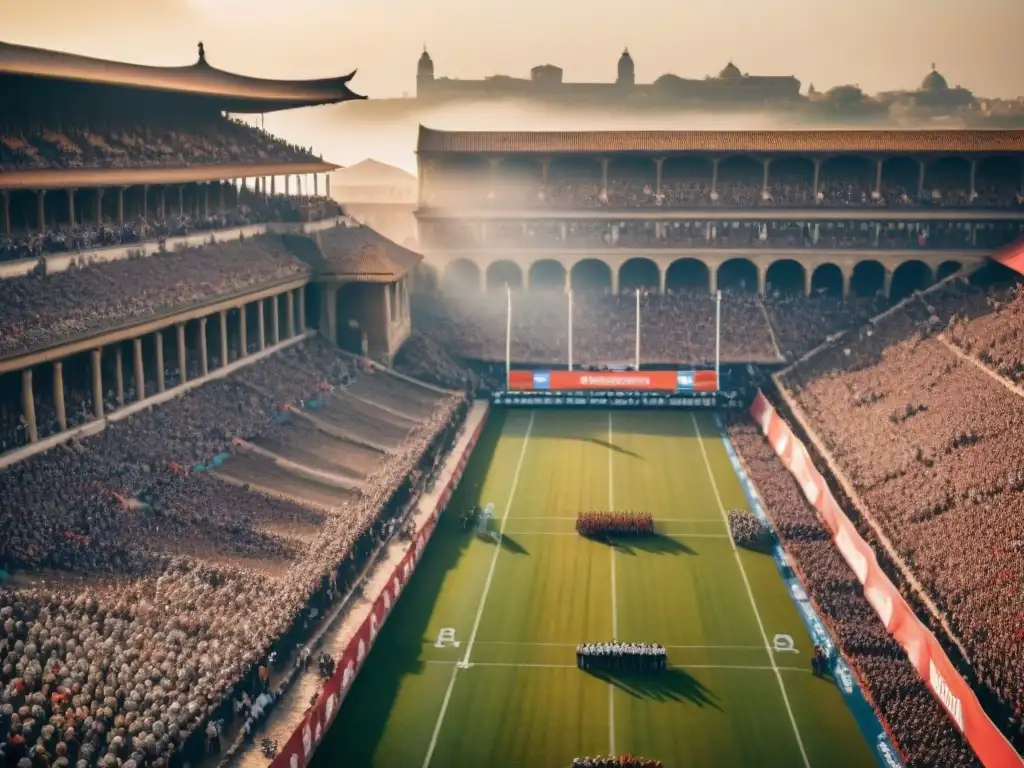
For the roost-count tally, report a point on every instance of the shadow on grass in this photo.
(672, 684)
(356, 734)
(655, 543)
(512, 546)
(613, 447)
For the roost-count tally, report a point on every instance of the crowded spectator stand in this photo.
(749, 532)
(598, 524)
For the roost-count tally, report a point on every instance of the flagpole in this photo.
(637, 363)
(570, 330)
(718, 337)
(508, 336)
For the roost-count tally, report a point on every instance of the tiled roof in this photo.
(360, 253)
(821, 141)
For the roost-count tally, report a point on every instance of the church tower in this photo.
(424, 73)
(627, 73)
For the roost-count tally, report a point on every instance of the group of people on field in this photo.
(626, 761)
(626, 657)
(625, 523)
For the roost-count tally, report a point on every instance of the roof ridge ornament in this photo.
(202, 53)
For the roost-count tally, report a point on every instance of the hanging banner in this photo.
(925, 653)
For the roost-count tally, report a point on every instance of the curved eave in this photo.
(85, 178)
(200, 79)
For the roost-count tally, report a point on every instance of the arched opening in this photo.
(687, 275)
(738, 275)
(786, 276)
(909, 276)
(739, 181)
(631, 182)
(899, 178)
(350, 333)
(591, 275)
(547, 275)
(946, 269)
(461, 275)
(947, 181)
(685, 180)
(639, 273)
(827, 280)
(846, 179)
(502, 273)
(868, 278)
(997, 181)
(574, 181)
(518, 180)
(791, 181)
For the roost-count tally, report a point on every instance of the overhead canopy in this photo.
(236, 93)
(817, 142)
(360, 254)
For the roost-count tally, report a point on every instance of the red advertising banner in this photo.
(925, 653)
(298, 750)
(631, 381)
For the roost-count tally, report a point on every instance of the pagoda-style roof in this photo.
(86, 178)
(360, 254)
(769, 142)
(237, 93)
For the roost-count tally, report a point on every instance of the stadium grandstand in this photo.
(277, 490)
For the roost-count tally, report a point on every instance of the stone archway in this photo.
(688, 275)
(786, 276)
(908, 277)
(504, 273)
(868, 278)
(591, 275)
(462, 274)
(737, 275)
(639, 273)
(827, 279)
(946, 269)
(547, 274)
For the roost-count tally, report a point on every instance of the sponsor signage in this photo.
(924, 651)
(613, 399)
(621, 381)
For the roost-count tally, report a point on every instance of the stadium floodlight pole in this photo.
(570, 329)
(637, 362)
(508, 336)
(718, 337)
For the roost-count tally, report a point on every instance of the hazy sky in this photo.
(880, 44)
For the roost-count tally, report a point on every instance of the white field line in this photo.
(573, 645)
(707, 521)
(738, 667)
(625, 541)
(615, 606)
(750, 594)
(483, 599)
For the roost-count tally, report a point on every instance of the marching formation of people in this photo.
(622, 657)
(626, 761)
(749, 532)
(919, 412)
(625, 523)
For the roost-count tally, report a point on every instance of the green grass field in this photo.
(509, 693)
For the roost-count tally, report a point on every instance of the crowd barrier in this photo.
(299, 748)
(924, 651)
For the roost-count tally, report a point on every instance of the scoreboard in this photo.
(614, 399)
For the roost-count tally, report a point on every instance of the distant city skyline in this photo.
(878, 45)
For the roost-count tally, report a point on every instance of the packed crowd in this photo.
(149, 598)
(423, 358)
(626, 761)
(590, 234)
(218, 141)
(616, 523)
(749, 532)
(930, 440)
(621, 657)
(39, 309)
(86, 237)
(995, 187)
(678, 327)
(917, 723)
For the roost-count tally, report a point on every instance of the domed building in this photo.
(933, 81)
(730, 72)
(936, 95)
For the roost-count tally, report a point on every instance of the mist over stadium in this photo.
(659, 410)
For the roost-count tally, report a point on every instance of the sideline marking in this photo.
(615, 607)
(625, 542)
(464, 664)
(670, 647)
(707, 520)
(750, 593)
